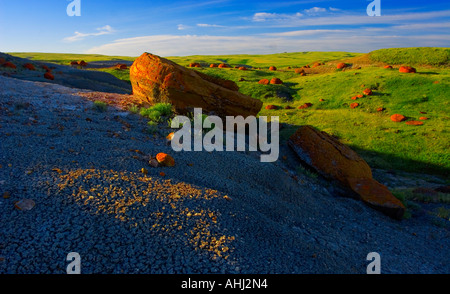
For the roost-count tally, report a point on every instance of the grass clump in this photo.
(157, 112)
(100, 106)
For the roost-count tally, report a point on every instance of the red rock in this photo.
(158, 80)
(321, 100)
(378, 197)
(359, 96)
(354, 105)
(74, 63)
(242, 68)
(121, 66)
(213, 65)
(9, 64)
(388, 66)
(46, 68)
(407, 69)
(49, 76)
(328, 156)
(436, 82)
(29, 66)
(354, 98)
(306, 105)
(272, 68)
(289, 107)
(165, 159)
(263, 82)
(299, 70)
(397, 117)
(379, 109)
(341, 65)
(82, 63)
(337, 162)
(423, 118)
(303, 74)
(276, 81)
(422, 112)
(2, 60)
(306, 66)
(367, 92)
(223, 65)
(414, 123)
(271, 107)
(317, 64)
(288, 67)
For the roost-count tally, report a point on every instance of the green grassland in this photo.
(381, 142)
(65, 58)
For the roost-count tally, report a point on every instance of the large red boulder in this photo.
(407, 69)
(337, 162)
(158, 80)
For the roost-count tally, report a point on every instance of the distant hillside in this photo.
(419, 56)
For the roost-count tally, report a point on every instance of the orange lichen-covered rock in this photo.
(165, 159)
(263, 82)
(380, 109)
(223, 65)
(272, 68)
(388, 66)
(341, 65)
(82, 63)
(337, 162)
(276, 81)
(74, 63)
(29, 66)
(423, 118)
(299, 70)
(213, 65)
(316, 64)
(271, 107)
(354, 105)
(397, 118)
(9, 64)
(242, 68)
(407, 69)
(328, 156)
(377, 196)
(158, 80)
(49, 76)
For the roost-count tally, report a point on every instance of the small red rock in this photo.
(388, 66)
(354, 105)
(289, 107)
(213, 65)
(321, 100)
(276, 81)
(407, 69)
(82, 63)
(24, 204)
(242, 68)
(341, 65)
(414, 123)
(423, 118)
(436, 82)
(367, 92)
(9, 64)
(49, 76)
(264, 82)
(271, 107)
(379, 109)
(29, 66)
(272, 68)
(304, 106)
(223, 65)
(397, 117)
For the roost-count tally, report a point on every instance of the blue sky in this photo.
(180, 28)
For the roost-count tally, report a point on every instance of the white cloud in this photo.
(106, 30)
(265, 16)
(182, 27)
(205, 25)
(315, 10)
